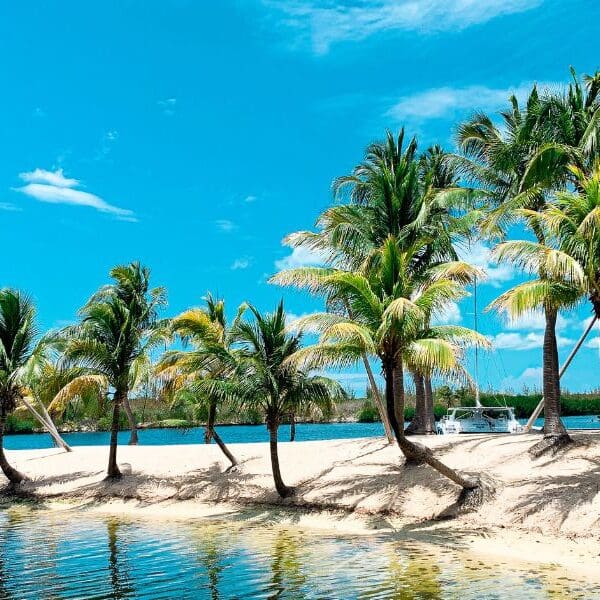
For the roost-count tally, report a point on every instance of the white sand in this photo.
(545, 510)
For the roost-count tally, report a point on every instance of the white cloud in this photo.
(449, 315)
(444, 102)
(536, 321)
(524, 341)
(55, 178)
(168, 106)
(7, 206)
(530, 377)
(226, 225)
(250, 199)
(54, 188)
(300, 257)
(480, 255)
(322, 23)
(241, 263)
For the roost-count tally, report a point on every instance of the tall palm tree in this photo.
(18, 352)
(210, 360)
(394, 192)
(119, 326)
(391, 308)
(269, 379)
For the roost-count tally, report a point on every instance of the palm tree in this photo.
(394, 192)
(391, 307)
(18, 352)
(194, 372)
(268, 378)
(118, 329)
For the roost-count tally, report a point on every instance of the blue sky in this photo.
(194, 136)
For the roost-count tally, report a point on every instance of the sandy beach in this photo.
(545, 510)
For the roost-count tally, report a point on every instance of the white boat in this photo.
(479, 419)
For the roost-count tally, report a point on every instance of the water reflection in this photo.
(75, 555)
(117, 563)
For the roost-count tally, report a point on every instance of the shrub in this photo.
(368, 413)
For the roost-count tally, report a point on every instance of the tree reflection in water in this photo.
(287, 578)
(120, 580)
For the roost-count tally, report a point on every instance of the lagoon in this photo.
(238, 434)
(75, 554)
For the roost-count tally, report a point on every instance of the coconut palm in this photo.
(557, 286)
(18, 353)
(269, 379)
(119, 326)
(394, 192)
(193, 372)
(391, 309)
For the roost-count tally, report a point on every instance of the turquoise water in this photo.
(238, 433)
(46, 555)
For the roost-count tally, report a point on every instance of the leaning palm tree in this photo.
(119, 326)
(193, 373)
(269, 379)
(18, 351)
(391, 307)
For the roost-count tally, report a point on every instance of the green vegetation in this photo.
(389, 274)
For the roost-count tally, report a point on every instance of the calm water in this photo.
(74, 555)
(238, 433)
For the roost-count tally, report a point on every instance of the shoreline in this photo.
(545, 507)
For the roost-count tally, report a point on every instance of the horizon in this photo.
(197, 152)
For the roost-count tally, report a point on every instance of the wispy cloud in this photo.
(55, 178)
(9, 207)
(480, 255)
(54, 188)
(225, 225)
(530, 378)
(168, 106)
(250, 199)
(241, 263)
(300, 257)
(535, 321)
(319, 24)
(449, 102)
(450, 314)
(524, 341)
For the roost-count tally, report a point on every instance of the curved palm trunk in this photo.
(292, 427)
(46, 422)
(389, 434)
(15, 477)
(283, 490)
(113, 471)
(133, 438)
(224, 449)
(414, 453)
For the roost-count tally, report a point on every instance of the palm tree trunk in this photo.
(389, 434)
(414, 453)
(113, 471)
(417, 424)
(283, 490)
(210, 422)
(133, 438)
(224, 448)
(292, 427)
(429, 413)
(15, 477)
(46, 422)
(555, 434)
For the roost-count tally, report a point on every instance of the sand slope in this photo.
(559, 494)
